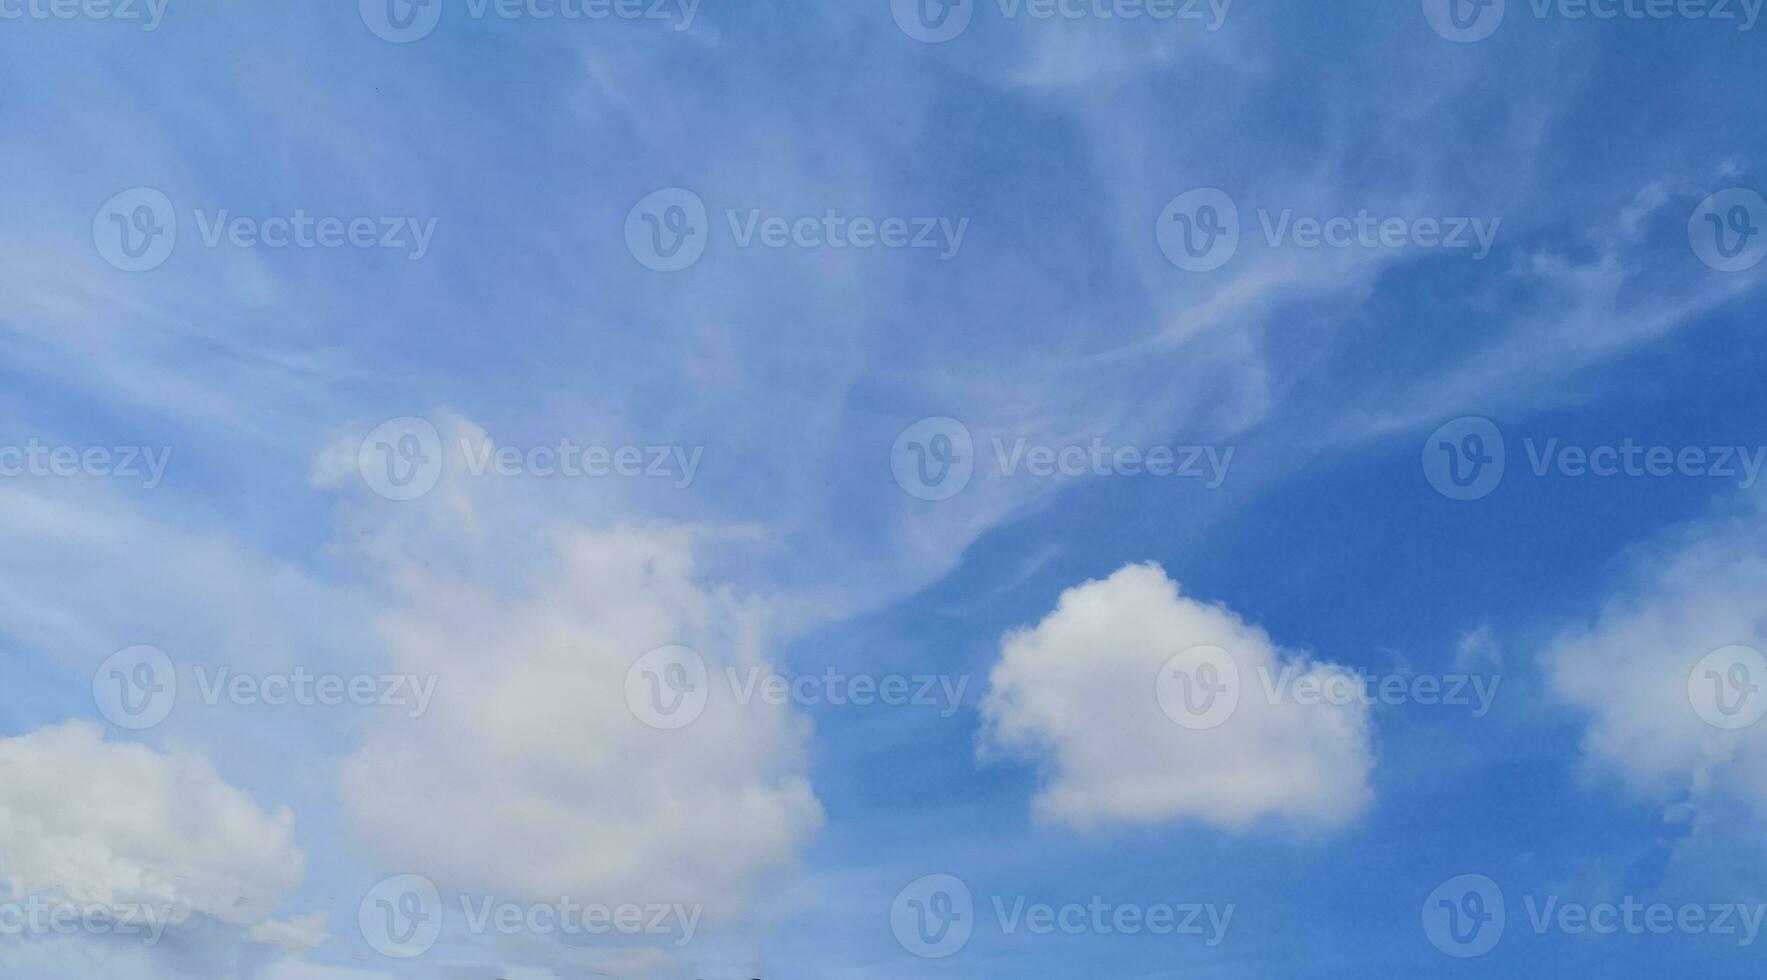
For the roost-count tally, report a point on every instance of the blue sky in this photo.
(831, 475)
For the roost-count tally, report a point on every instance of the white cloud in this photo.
(530, 777)
(88, 821)
(1478, 649)
(1630, 668)
(303, 932)
(1077, 693)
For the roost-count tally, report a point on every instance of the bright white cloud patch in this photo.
(1080, 694)
(530, 776)
(86, 821)
(1667, 717)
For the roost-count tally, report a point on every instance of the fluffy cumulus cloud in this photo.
(1669, 671)
(92, 824)
(548, 766)
(1098, 694)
